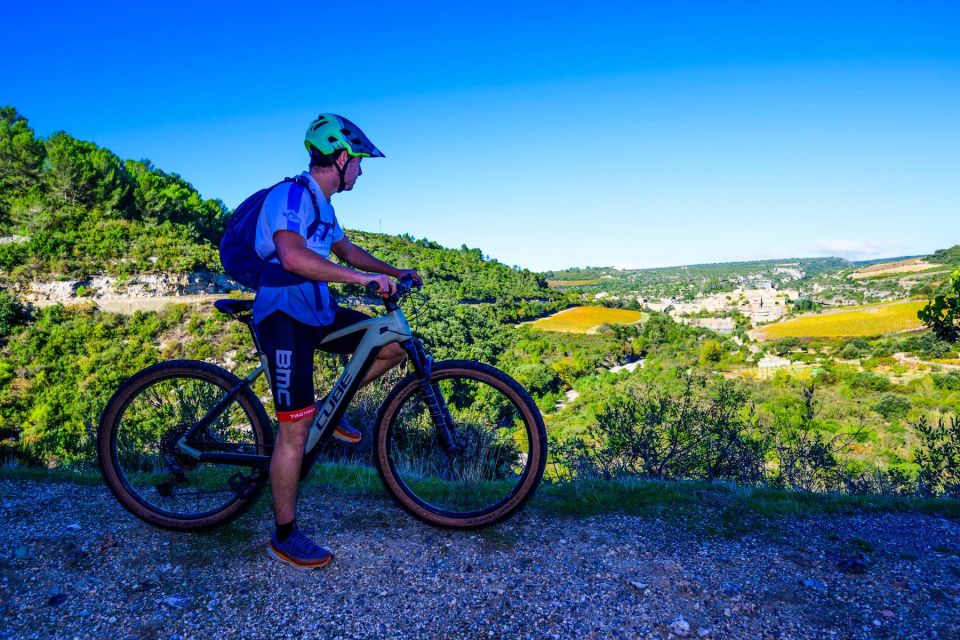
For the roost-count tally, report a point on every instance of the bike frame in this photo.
(377, 333)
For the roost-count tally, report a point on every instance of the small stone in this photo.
(852, 565)
(639, 586)
(680, 627)
(57, 599)
(112, 619)
(730, 588)
(887, 613)
(21, 552)
(876, 623)
(703, 632)
(73, 527)
(174, 602)
(816, 585)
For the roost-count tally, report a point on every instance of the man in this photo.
(292, 320)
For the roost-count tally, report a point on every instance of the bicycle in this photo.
(458, 444)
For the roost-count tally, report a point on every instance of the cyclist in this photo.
(292, 320)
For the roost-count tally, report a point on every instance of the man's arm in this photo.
(361, 259)
(297, 258)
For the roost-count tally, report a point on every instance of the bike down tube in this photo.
(212, 415)
(377, 333)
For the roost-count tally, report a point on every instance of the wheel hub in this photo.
(178, 461)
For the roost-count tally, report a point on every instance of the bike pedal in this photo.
(241, 484)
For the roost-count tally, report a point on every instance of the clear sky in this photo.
(548, 134)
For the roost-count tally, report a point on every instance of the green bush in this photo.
(949, 381)
(869, 381)
(892, 406)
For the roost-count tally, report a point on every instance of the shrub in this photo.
(12, 314)
(696, 433)
(710, 352)
(938, 457)
(949, 381)
(892, 406)
(869, 381)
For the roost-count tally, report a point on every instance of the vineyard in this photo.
(586, 319)
(873, 320)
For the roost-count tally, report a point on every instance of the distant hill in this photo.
(864, 263)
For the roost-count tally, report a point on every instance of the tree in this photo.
(160, 196)
(81, 173)
(21, 154)
(942, 313)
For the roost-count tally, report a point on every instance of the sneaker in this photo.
(300, 551)
(345, 433)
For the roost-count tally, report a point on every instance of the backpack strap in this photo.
(312, 227)
(274, 274)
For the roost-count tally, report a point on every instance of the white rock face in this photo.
(148, 292)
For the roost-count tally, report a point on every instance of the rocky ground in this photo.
(74, 564)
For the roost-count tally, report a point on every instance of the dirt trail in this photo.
(73, 563)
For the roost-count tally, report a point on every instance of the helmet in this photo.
(330, 133)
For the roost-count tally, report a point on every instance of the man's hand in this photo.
(412, 274)
(386, 287)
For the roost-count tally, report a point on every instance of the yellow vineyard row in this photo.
(871, 320)
(583, 319)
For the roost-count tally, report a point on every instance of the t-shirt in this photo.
(289, 207)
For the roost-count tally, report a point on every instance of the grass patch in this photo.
(726, 506)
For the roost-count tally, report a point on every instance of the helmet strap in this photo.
(341, 172)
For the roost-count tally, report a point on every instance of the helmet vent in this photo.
(345, 132)
(357, 141)
(331, 139)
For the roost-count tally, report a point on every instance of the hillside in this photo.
(71, 210)
(74, 212)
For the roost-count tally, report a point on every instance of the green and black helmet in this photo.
(330, 133)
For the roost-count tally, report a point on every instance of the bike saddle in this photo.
(232, 307)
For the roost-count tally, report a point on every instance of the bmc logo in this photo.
(284, 373)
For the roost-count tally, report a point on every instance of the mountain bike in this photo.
(186, 444)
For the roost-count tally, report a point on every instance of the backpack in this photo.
(238, 253)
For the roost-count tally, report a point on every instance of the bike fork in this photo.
(436, 404)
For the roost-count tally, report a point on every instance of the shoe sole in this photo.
(279, 557)
(345, 438)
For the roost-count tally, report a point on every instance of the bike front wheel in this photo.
(500, 446)
(155, 479)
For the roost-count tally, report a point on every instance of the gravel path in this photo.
(74, 564)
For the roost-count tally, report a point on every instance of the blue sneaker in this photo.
(345, 433)
(300, 551)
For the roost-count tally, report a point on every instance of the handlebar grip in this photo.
(373, 285)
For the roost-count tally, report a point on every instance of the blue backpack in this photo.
(238, 253)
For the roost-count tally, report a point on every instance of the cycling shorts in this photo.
(289, 346)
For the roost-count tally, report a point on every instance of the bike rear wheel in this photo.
(498, 427)
(157, 482)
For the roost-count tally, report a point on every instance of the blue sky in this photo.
(547, 134)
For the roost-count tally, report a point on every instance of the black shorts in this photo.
(289, 346)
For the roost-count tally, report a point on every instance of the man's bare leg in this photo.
(389, 357)
(285, 467)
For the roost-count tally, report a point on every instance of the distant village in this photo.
(755, 296)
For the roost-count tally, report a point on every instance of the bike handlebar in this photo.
(404, 286)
